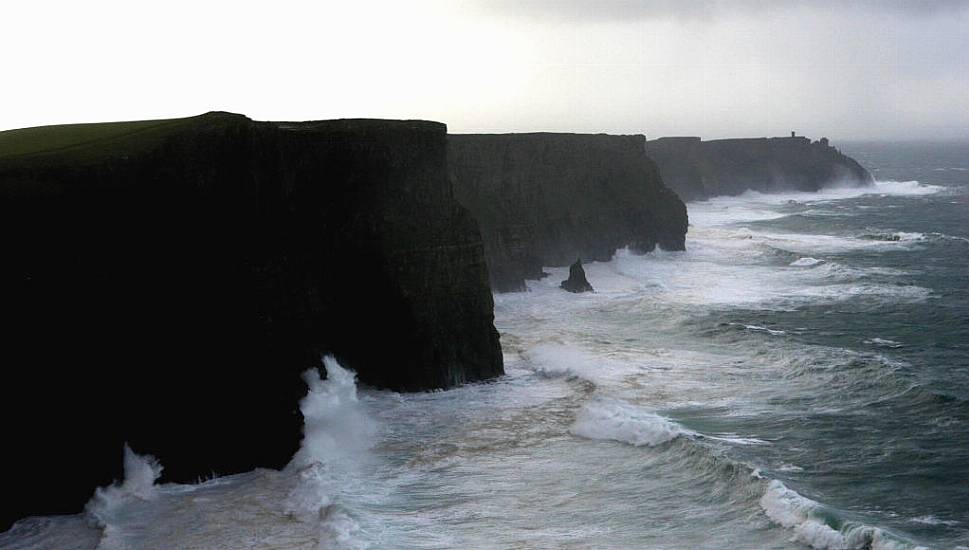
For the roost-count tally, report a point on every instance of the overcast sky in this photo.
(848, 70)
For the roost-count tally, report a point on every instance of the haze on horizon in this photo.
(872, 70)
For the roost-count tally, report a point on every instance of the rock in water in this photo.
(577, 282)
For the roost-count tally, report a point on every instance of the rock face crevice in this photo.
(699, 170)
(166, 286)
(543, 199)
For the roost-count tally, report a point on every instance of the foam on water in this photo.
(883, 342)
(109, 505)
(804, 517)
(615, 420)
(561, 359)
(337, 432)
(335, 425)
(806, 262)
(312, 504)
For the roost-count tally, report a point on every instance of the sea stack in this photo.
(577, 282)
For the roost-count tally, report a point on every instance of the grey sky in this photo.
(848, 70)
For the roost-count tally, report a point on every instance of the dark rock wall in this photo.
(170, 294)
(698, 169)
(544, 199)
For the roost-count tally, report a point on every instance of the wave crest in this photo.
(615, 420)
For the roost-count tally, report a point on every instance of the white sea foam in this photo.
(335, 423)
(109, 504)
(932, 520)
(615, 420)
(312, 503)
(757, 206)
(789, 509)
(806, 262)
(758, 328)
(883, 342)
(839, 292)
(793, 511)
(337, 432)
(140, 474)
(560, 359)
(56, 532)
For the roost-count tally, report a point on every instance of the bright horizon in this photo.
(872, 71)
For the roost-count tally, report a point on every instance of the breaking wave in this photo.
(312, 503)
(821, 529)
(614, 420)
(107, 506)
(337, 432)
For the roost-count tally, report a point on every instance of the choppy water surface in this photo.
(798, 378)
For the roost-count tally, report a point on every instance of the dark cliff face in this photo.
(544, 199)
(698, 169)
(166, 286)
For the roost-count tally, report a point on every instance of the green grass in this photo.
(79, 142)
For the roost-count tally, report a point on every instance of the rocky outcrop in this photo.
(543, 199)
(698, 169)
(577, 283)
(165, 284)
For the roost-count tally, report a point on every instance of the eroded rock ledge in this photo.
(165, 283)
(544, 199)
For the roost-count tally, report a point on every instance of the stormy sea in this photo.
(798, 378)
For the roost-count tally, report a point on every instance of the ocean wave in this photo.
(758, 328)
(614, 420)
(893, 236)
(337, 432)
(841, 292)
(60, 532)
(823, 531)
(564, 360)
(810, 522)
(806, 262)
(910, 187)
(335, 425)
(932, 520)
(883, 342)
(909, 236)
(108, 505)
(751, 205)
(309, 504)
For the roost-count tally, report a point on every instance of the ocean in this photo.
(798, 378)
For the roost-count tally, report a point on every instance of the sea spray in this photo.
(337, 434)
(335, 425)
(109, 503)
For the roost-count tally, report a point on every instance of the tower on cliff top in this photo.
(792, 133)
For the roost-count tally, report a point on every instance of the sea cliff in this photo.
(698, 169)
(164, 283)
(544, 199)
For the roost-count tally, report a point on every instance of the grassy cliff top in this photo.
(82, 142)
(79, 141)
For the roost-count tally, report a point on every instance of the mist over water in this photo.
(799, 377)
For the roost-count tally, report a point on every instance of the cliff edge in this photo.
(165, 283)
(699, 170)
(544, 199)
